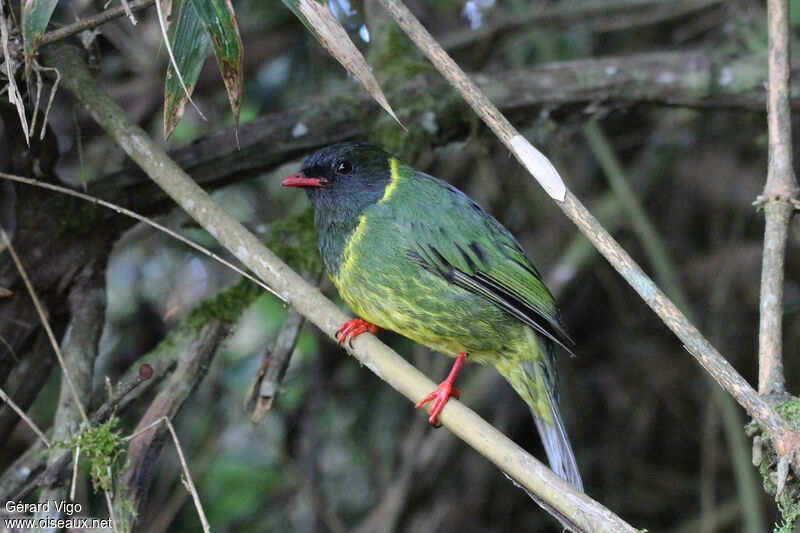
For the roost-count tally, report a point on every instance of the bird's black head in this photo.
(343, 179)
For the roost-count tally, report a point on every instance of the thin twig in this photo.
(39, 84)
(46, 324)
(38, 69)
(7, 344)
(110, 504)
(208, 452)
(128, 11)
(123, 389)
(782, 434)
(140, 218)
(74, 483)
(23, 416)
(91, 22)
(779, 200)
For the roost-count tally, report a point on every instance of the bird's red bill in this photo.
(301, 180)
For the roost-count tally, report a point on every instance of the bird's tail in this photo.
(535, 381)
(556, 442)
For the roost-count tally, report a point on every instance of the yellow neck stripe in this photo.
(349, 255)
(395, 178)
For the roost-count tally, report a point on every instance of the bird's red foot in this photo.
(443, 392)
(353, 328)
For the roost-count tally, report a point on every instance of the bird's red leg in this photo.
(443, 391)
(353, 328)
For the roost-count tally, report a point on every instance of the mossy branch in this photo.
(577, 510)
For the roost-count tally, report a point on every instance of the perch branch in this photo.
(779, 201)
(579, 512)
(784, 437)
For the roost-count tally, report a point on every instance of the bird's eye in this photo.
(343, 166)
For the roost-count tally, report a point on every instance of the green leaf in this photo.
(329, 32)
(35, 16)
(190, 47)
(220, 24)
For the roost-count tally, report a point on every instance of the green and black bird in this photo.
(413, 254)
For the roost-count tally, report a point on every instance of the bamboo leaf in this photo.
(329, 32)
(35, 17)
(190, 45)
(220, 25)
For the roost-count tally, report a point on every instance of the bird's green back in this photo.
(446, 232)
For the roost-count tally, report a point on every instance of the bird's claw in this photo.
(352, 329)
(440, 396)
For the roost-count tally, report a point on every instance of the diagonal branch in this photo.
(784, 437)
(580, 512)
(93, 21)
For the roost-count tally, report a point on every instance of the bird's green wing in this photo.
(454, 237)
